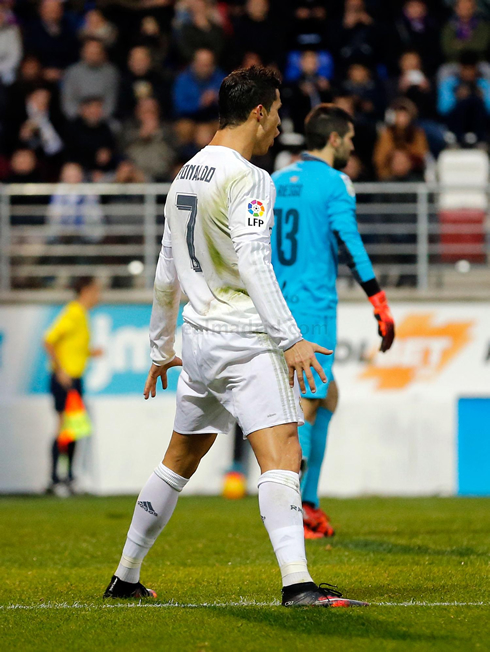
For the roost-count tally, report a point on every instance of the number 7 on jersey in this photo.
(189, 203)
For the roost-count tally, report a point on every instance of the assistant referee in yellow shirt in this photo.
(67, 343)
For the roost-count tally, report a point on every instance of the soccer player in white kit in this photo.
(241, 348)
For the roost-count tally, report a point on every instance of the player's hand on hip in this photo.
(300, 358)
(386, 323)
(157, 372)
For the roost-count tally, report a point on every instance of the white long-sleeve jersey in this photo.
(216, 247)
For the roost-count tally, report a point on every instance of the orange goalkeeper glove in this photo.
(386, 323)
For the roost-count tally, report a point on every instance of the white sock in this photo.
(154, 507)
(280, 509)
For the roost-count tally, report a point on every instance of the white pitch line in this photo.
(137, 605)
(241, 603)
(430, 604)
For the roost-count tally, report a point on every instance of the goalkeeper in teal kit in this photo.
(315, 222)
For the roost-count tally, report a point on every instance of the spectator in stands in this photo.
(361, 84)
(89, 138)
(464, 100)
(127, 172)
(30, 76)
(200, 31)
(465, 31)
(141, 81)
(365, 137)
(10, 46)
(251, 59)
(355, 38)
(41, 126)
(417, 31)
(401, 167)
(92, 76)
(308, 91)
(196, 89)
(355, 169)
(402, 147)
(29, 79)
(256, 31)
(309, 26)
(52, 38)
(145, 142)
(81, 211)
(483, 6)
(151, 36)
(24, 167)
(202, 136)
(413, 83)
(96, 26)
(127, 16)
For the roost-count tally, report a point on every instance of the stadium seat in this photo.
(463, 175)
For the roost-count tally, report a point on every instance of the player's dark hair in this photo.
(324, 120)
(243, 90)
(82, 282)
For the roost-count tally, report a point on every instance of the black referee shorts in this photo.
(59, 392)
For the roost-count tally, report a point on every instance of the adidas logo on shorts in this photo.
(147, 506)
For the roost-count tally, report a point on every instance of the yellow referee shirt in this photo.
(70, 337)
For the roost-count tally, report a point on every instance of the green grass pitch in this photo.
(424, 564)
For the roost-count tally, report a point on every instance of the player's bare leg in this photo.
(313, 438)
(185, 452)
(154, 508)
(277, 448)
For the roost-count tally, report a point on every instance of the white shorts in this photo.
(231, 377)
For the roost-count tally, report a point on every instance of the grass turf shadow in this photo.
(343, 623)
(388, 547)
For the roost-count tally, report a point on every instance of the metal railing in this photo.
(50, 233)
(419, 235)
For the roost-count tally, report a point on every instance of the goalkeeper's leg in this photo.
(317, 523)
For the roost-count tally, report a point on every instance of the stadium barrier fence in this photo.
(49, 233)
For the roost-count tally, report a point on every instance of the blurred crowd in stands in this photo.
(126, 90)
